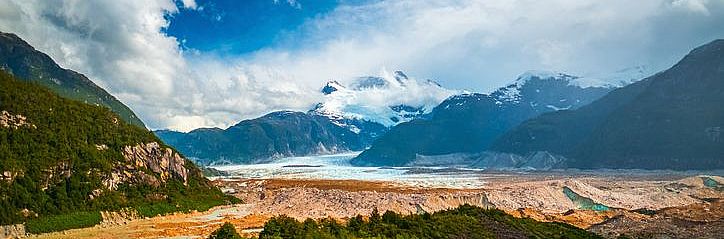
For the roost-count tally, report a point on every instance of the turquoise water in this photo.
(583, 202)
(711, 183)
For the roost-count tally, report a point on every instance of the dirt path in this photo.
(190, 225)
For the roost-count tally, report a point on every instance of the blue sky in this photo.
(184, 64)
(232, 27)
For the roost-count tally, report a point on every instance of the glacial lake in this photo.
(337, 166)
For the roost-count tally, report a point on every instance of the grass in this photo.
(61, 222)
(184, 204)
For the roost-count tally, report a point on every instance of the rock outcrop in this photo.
(12, 231)
(8, 120)
(9, 176)
(163, 164)
(121, 217)
(163, 161)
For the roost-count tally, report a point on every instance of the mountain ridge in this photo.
(61, 158)
(666, 121)
(19, 58)
(344, 121)
(468, 123)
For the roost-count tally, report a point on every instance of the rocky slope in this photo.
(60, 156)
(671, 120)
(468, 123)
(19, 58)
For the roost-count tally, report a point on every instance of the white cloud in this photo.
(118, 44)
(476, 45)
(480, 45)
(191, 4)
(698, 6)
(373, 103)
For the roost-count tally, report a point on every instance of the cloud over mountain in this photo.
(476, 45)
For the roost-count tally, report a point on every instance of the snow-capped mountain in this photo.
(623, 77)
(468, 123)
(547, 90)
(389, 99)
(670, 120)
(354, 114)
(349, 118)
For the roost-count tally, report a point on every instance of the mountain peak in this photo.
(717, 44)
(713, 49)
(542, 74)
(369, 82)
(11, 38)
(400, 77)
(388, 99)
(331, 86)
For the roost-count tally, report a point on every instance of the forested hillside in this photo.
(61, 161)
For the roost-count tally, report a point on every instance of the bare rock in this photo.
(8, 120)
(12, 231)
(162, 161)
(121, 217)
(163, 164)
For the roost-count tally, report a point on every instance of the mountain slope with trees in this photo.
(19, 58)
(671, 120)
(62, 161)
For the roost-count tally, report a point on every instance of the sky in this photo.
(185, 64)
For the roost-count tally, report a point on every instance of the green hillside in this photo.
(22, 60)
(61, 161)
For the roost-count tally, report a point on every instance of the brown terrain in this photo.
(641, 206)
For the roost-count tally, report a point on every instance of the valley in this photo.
(122, 125)
(648, 203)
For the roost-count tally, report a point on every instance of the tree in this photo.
(227, 231)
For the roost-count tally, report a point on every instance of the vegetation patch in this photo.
(63, 222)
(227, 231)
(57, 168)
(463, 222)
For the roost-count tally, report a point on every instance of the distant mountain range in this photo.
(671, 120)
(275, 135)
(355, 115)
(469, 123)
(20, 59)
(350, 118)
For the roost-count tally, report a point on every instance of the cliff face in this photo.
(149, 164)
(162, 161)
